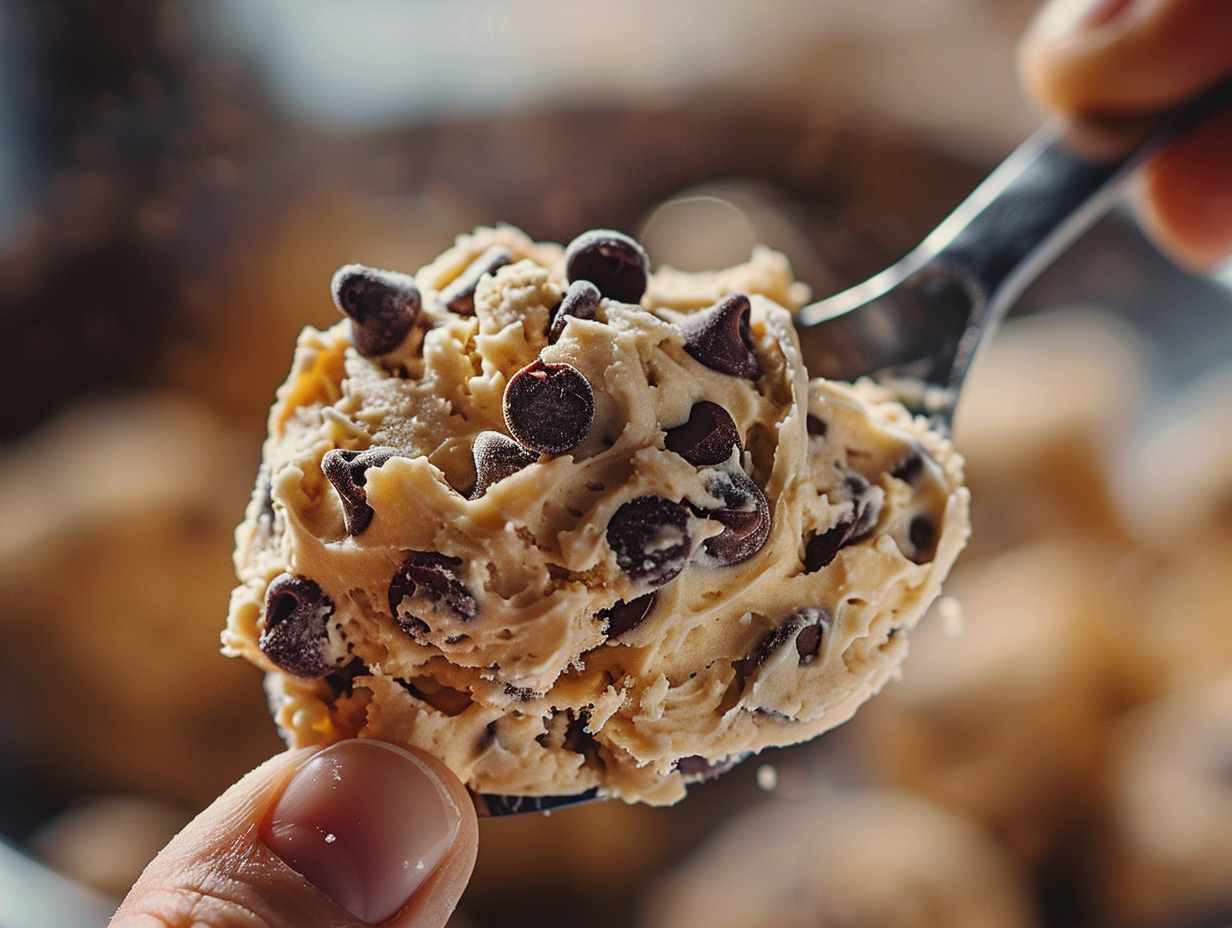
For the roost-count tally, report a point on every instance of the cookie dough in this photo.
(845, 858)
(1170, 798)
(572, 525)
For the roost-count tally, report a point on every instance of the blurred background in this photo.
(180, 178)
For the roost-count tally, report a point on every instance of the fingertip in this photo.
(361, 832)
(1123, 57)
(1186, 195)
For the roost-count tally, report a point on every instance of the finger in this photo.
(362, 833)
(1124, 57)
(1186, 201)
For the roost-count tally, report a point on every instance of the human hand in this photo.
(361, 833)
(1137, 57)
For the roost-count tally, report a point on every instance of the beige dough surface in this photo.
(617, 615)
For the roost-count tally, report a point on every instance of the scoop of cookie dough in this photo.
(570, 524)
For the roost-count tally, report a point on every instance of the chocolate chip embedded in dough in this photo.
(922, 533)
(770, 642)
(382, 306)
(497, 456)
(910, 469)
(706, 438)
(428, 580)
(649, 535)
(610, 260)
(696, 768)
(745, 517)
(580, 301)
(347, 471)
(459, 294)
(808, 639)
(549, 408)
(295, 630)
(719, 337)
(624, 616)
(822, 547)
(816, 425)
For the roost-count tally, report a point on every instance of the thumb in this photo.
(361, 833)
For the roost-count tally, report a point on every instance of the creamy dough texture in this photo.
(568, 524)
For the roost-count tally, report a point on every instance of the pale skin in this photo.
(1079, 58)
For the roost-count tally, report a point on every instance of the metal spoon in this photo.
(917, 325)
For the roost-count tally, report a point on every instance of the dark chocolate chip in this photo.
(296, 612)
(910, 469)
(347, 471)
(719, 337)
(808, 639)
(707, 438)
(650, 537)
(624, 616)
(580, 301)
(612, 261)
(459, 294)
(382, 306)
(822, 547)
(428, 579)
(922, 533)
(745, 517)
(816, 425)
(342, 680)
(770, 642)
(696, 767)
(497, 456)
(549, 407)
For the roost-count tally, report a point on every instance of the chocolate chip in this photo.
(612, 261)
(822, 547)
(707, 438)
(696, 767)
(549, 407)
(719, 337)
(624, 616)
(382, 306)
(296, 611)
(910, 469)
(342, 680)
(866, 507)
(816, 425)
(922, 533)
(428, 579)
(459, 294)
(650, 537)
(347, 471)
(745, 517)
(497, 456)
(770, 642)
(808, 639)
(579, 302)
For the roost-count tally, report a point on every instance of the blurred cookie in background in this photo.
(1170, 791)
(844, 857)
(116, 525)
(1049, 403)
(1003, 714)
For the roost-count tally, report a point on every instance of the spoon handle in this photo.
(922, 319)
(1049, 191)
